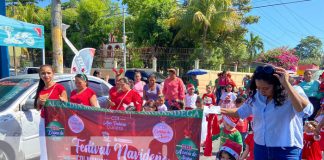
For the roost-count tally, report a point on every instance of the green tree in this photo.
(309, 47)
(206, 17)
(254, 46)
(27, 13)
(217, 27)
(148, 22)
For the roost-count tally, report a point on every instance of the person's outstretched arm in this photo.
(232, 112)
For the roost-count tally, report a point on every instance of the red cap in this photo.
(232, 148)
(190, 86)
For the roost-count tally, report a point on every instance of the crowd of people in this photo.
(270, 117)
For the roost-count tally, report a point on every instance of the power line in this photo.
(279, 4)
(264, 2)
(278, 24)
(271, 41)
(299, 31)
(296, 15)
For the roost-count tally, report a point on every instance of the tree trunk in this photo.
(57, 36)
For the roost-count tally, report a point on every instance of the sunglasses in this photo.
(267, 69)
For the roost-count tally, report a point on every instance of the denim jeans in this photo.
(218, 94)
(276, 153)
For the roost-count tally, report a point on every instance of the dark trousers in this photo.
(317, 105)
(219, 93)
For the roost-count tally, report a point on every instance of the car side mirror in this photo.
(28, 105)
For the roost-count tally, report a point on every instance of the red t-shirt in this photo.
(312, 149)
(113, 93)
(250, 142)
(122, 104)
(83, 97)
(222, 81)
(321, 86)
(322, 139)
(52, 93)
(242, 125)
(209, 99)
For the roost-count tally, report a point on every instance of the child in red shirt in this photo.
(248, 153)
(318, 119)
(209, 98)
(242, 125)
(312, 149)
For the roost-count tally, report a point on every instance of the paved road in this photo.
(215, 149)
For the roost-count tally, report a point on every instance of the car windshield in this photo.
(12, 89)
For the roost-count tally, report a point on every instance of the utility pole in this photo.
(124, 39)
(57, 36)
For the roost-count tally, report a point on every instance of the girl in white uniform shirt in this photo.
(190, 98)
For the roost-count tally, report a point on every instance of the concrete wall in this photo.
(212, 75)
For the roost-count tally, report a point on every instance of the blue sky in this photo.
(286, 25)
(282, 25)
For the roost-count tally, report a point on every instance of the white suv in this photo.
(19, 121)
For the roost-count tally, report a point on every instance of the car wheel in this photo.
(6, 153)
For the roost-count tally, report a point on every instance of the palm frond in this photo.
(199, 17)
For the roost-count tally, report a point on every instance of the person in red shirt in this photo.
(83, 94)
(124, 98)
(248, 153)
(209, 98)
(242, 125)
(312, 148)
(229, 80)
(320, 127)
(173, 91)
(47, 89)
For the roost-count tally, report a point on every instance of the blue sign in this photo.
(20, 34)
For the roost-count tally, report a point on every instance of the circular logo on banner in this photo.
(187, 149)
(76, 124)
(54, 130)
(162, 132)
